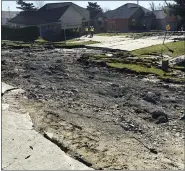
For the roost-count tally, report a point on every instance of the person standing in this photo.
(92, 31)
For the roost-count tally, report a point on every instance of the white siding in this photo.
(71, 18)
(83, 11)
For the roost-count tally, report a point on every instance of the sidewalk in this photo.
(22, 147)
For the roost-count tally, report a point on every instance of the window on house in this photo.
(133, 22)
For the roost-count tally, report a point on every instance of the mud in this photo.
(104, 118)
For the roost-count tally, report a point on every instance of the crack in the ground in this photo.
(68, 151)
(2, 94)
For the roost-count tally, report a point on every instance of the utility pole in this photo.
(137, 2)
(9, 12)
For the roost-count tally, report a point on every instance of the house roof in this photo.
(125, 11)
(49, 13)
(50, 6)
(93, 14)
(9, 14)
(160, 14)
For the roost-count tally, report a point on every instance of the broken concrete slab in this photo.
(25, 149)
(5, 87)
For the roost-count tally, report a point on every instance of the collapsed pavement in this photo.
(97, 115)
(22, 147)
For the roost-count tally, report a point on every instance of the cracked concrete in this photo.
(22, 147)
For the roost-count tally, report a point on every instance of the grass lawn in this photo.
(141, 69)
(70, 43)
(138, 68)
(40, 41)
(111, 34)
(129, 35)
(177, 47)
(15, 43)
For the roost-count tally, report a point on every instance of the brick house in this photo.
(129, 17)
(162, 19)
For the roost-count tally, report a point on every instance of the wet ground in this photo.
(103, 118)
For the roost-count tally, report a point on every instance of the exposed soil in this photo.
(104, 118)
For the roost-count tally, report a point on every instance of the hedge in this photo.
(22, 34)
(60, 36)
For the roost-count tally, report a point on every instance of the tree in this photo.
(93, 7)
(178, 9)
(39, 4)
(154, 7)
(25, 6)
(106, 9)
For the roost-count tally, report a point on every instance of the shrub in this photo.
(26, 34)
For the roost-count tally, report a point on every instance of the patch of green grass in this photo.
(40, 42)
(138, 68)
(172, 79)
(111, 34)
(177, 47)
(15, 43)
(100, 56)
(130, 35)
(178, 67)
(141, 69)
(70, 44)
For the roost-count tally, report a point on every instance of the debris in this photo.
(182, 117)
(26, 76)
(151, 97)
(162, 119)
(157, 113)
(31, 147)
(160, 115)
(27, 157)
(152, 150)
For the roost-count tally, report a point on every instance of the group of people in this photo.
(89, 30)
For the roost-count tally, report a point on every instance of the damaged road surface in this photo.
(22, 147)
(103, 118)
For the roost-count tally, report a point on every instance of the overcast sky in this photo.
(11, 5)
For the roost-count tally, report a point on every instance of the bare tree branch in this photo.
(154, 7)
(106, 9)
(39, 4)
